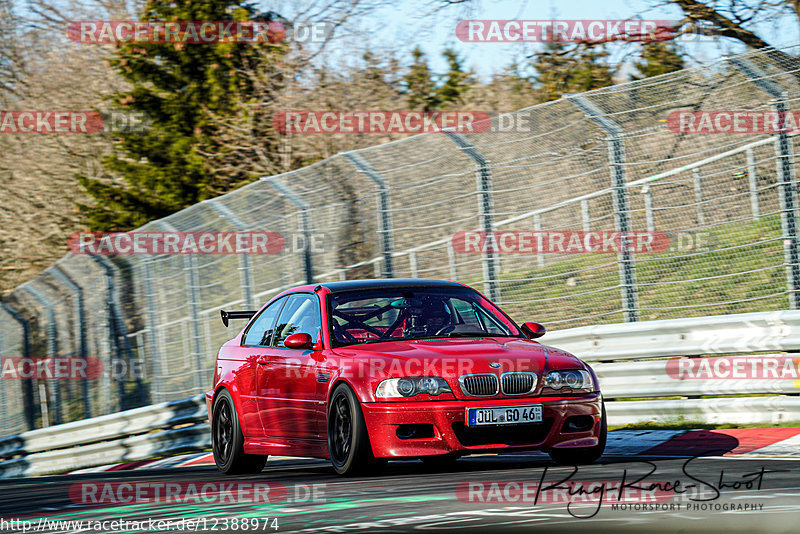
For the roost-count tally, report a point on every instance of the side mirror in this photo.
(298, 341)
(533, 330)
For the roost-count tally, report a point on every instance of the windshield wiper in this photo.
(420, 338)
(473, 334)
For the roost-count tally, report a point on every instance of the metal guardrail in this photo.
(169, 442)
(106, 427)
(131, 435)
(740, 410)
(653, 379)
(716, 334)
(632, 361)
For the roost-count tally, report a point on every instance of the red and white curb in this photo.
(724, 442)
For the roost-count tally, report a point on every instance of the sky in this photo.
(408, 23)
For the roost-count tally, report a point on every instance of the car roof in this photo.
(349, 285)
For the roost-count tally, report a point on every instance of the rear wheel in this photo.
(227, 440)
(348, 441)
(585, 455)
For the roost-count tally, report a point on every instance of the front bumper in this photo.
(450, 436)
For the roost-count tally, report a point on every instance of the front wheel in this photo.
(348, 441)
(585, 455)
(227, 440)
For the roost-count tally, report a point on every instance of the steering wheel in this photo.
(360, 323)
(445, 329)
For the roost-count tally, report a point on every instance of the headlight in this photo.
(573, 379)
(409, 387)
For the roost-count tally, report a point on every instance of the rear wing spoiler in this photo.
(227, 315)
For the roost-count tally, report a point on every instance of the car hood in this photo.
(451, 358)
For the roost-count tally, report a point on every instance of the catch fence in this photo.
(603, 161)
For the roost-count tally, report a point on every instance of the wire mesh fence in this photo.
(586, 165)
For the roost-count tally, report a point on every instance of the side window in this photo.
(477, 318)
(260, 332)
(300, 315)
(467, 313)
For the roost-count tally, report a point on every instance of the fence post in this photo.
(305, 222)
(385, 216)
(648, 208)
(27, 385)
(193, 289)
(585, 217)
(119, 332)
(698, 196)
(787, 182)
(451, 262)
(154, 339)
(412, 263)
(52, 349)
(537, 227)
(245, 273)
(621, 212)
(752, 179)
(485, 210)
(79, 320)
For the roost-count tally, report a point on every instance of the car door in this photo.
(291, 381)
(257, 344)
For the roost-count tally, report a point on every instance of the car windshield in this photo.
(391, 314)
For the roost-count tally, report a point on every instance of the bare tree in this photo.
(37, 172)
(738, 19)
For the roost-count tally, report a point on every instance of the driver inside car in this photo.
(428, 318)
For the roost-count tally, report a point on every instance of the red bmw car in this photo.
(364, 371)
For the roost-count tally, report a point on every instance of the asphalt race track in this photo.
(740, 495)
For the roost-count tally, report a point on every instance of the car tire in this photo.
(227, 440)
(586, 455)
(348, 441)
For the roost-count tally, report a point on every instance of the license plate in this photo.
(504, 415)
